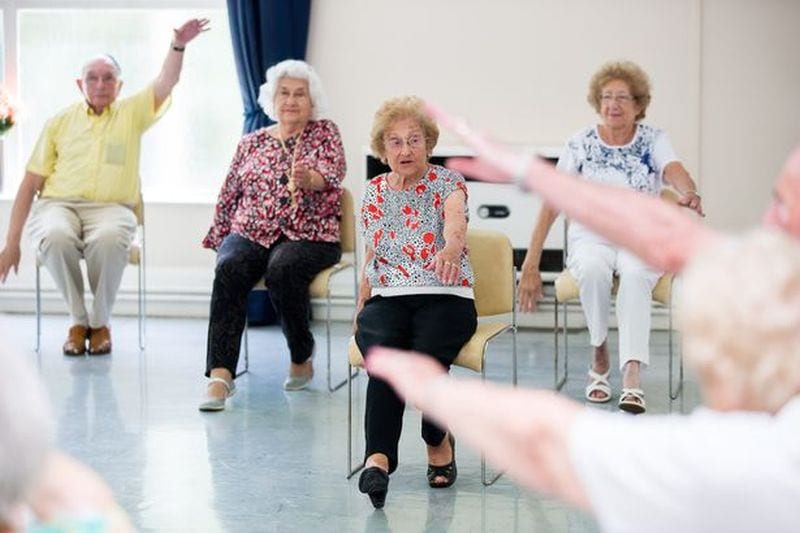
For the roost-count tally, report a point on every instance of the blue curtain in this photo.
(265, 32)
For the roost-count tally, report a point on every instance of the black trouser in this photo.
(432, 324)
(288, 267)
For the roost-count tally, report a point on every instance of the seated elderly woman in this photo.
(732, 465)
(416, 289)
(277, 219)
(623, 152)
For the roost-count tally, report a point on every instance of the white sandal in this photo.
(218, 404)
(632, 400)
(598, 383)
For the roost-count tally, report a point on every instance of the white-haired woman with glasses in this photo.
(277, 219)
(619, 151)
(416, 288)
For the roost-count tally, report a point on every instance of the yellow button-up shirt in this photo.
(89, 157)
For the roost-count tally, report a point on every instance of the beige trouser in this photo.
(63, 232)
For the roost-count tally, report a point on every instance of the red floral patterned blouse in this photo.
(255, 201)
(406, 229)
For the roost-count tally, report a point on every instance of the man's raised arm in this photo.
(171, 70)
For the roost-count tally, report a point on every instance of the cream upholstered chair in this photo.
(567, 292)
(135, 257)
(320, 285)
(492, 259)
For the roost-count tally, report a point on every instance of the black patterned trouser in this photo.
(437, 325)
(288, 267)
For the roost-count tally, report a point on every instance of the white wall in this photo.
(726, 86)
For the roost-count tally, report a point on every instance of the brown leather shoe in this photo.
(76, 340)
(99, 341)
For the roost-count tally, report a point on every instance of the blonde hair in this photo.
(630, 73)
(741, 317)
(396, 109)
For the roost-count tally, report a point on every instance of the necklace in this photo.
(292, 158)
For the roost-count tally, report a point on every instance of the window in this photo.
(186, 154)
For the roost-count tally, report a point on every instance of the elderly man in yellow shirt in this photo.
(85, 169)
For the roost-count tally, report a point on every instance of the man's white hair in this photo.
(740, 315)
(26, 431)
(106, 58)
(292, 68)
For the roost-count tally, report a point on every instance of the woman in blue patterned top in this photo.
(416, 289)
(619, 151)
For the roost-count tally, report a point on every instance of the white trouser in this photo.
(63, 232)
(593, 264)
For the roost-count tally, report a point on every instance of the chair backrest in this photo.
(492, 258)
(347, 227)
(138, 210)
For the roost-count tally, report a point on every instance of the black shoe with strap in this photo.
(449, 471)
(374, 482)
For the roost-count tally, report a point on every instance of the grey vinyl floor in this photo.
(276, 461)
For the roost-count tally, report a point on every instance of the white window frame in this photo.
(10, 160)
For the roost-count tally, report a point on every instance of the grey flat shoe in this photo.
(295, 383)
(217, 404)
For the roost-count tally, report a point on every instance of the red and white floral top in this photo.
(406, 230)
(255, 201)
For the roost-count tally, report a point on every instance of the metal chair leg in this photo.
(38, 309)
(351, 470)
(142, 302)
(484, 478)
(674, 391)
(246, 344)
(331, 387)
(558, 383)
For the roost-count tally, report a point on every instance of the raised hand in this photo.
(190, 29)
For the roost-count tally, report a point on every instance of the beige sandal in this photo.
(218, 404)
(632, 400)
(598, 383)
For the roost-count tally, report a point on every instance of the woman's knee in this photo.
(592, 269)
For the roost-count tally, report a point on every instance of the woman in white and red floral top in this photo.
(416, 288)
(277, 218)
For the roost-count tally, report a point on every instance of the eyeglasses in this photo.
(396, 144)
(620, 98)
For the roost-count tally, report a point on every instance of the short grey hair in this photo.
(292, 68)
(107, 58)
(27, 431)
(740, 315)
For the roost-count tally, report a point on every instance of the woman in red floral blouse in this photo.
(277, 218)
(416, 289)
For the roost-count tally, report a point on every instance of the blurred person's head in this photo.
(740, 315)
(26, 433)
(784, 211)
